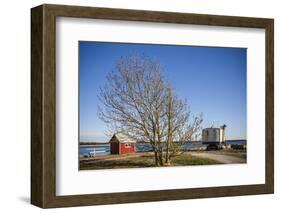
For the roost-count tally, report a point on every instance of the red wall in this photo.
(125, 150)
(120, 148)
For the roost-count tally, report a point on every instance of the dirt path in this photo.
(111, 157)
(219, 157)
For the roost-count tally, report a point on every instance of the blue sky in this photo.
(212, 79)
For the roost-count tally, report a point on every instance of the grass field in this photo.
(146, 160)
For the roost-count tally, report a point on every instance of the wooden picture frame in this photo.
(43, 105)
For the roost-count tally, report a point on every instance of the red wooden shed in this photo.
(122, 144)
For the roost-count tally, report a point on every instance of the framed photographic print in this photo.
(136, 106)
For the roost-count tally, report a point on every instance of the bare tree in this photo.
(138, 101)
(180, 130)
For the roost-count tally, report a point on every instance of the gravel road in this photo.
(219, 157)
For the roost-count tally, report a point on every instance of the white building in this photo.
(214, 134)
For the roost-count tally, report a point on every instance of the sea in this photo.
(104, 149)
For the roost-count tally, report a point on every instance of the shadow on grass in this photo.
(143, 162)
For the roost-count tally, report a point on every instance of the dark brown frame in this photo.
(43, 105)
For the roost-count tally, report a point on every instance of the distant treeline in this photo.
(106, 143)
(173, 142)
(94, 143)
(143, 142)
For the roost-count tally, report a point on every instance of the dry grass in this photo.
(146, 160)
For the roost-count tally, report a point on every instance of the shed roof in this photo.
(122, 138)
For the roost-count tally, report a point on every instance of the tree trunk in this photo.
(167, 160)
(156, 158)
(161, 162)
